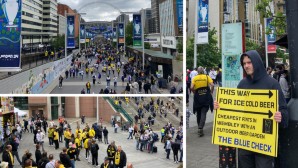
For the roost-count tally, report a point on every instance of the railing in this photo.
(119, 109)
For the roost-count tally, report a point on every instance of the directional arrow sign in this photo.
(270, 94)
(270, 114)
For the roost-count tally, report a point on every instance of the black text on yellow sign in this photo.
(245, 120)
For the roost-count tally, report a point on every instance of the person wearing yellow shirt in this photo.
(91, 132)
(78, 142)
(56, 138)
(51, 135)
(67, 136)
(86, 146)
(78, 130)
(202, 86)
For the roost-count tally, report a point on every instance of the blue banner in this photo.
(179, 10)
(70, 31)
(114, 32)
(82, 34)
(203, 14)
(10, 28)
(137, 30)
(120, 35)
(271, 37)
(120, 30)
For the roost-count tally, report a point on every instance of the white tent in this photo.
(20, 112)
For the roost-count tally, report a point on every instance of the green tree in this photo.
(147, 45)
(128, 34)
(278, 22)
(180, 45)
(208, 55)
(250, 45)
(58, 42)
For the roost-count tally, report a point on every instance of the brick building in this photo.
(61, 11)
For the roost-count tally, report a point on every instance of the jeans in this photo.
(15, 153)
(67, 143)
(201, 116)
(73, 163)
(137, 144)
(130, 135)
(247, 159)
(95, 159)
(168, 153)
(181, 155)
(51, 140)
(106, 139)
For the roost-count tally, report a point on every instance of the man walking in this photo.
(200, 86)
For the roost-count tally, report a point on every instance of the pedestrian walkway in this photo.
(200, 152)
(137, 158)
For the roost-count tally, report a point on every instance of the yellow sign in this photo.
(245, 119)
(87, 40)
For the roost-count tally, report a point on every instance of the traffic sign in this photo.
(245, 120)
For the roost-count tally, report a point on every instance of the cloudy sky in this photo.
(102, 9)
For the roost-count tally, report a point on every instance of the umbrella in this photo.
(283, 41)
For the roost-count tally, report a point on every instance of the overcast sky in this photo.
(105, 12)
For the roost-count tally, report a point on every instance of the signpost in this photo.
(245, 120)
(70, 31)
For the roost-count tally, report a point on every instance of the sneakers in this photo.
(201, 133)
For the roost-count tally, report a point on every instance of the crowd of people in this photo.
(102, 64)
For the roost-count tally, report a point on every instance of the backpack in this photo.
(155, 137)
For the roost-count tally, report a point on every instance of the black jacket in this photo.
(6, 158)
(64, 158)
(37, 155)
(111, 150)
(105, 132)
(261, 80)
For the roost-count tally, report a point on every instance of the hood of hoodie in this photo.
(259, 69)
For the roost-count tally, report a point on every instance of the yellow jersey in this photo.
(200, 81)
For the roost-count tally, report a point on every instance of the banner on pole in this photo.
(179, 11)
(82, 34)
(137, 30)
(121, 30)
(10, 43)
(71, 31)
(271, 38)
(203, 19)
(245, 120)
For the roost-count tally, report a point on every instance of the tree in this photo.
(147, 45)
(208, 55)
(278, 22)
(180, 45)
(128, 34)
(58, 42)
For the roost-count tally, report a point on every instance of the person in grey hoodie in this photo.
(257, 78)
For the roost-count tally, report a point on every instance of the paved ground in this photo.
(137, 158)
(199, 150)
(75, 85)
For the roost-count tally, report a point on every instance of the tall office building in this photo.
(50, 17)
(168, 26)
(155, 16)
(147, 16)
(32, 16)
